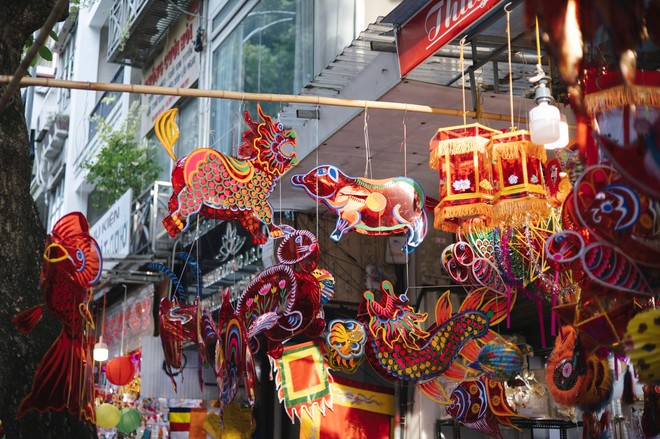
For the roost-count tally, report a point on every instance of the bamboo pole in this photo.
(242, 96)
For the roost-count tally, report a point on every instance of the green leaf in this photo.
(45, 53)
(53, 35)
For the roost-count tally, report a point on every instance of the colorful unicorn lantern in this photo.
(465, 172)
(65, 376)
(371, 207)
(520, 191)
(215, 185)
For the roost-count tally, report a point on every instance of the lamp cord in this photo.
(508, 40)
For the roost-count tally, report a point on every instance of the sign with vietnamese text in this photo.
(112, 231)
(176, 66)
(435, 25)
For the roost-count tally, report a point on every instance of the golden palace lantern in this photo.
(520, 190)
(466, 189)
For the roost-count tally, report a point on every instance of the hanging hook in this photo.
(506, 6)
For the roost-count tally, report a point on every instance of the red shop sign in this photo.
(434, 26)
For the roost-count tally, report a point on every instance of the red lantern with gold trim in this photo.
(120, 371)
(626, 124)
(466, 190)
(520, 191)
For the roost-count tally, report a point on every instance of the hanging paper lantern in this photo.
(120, 371)
(209, 183)
(466, 190)
(129, 420)
(626, 123)
(520, 191)
(389, 206)
(107, 416)
(642, 344)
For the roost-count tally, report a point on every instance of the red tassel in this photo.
(541, 323)
(28, 319)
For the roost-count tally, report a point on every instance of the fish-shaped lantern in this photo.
(72, 264)
(501, 361)
(481, 405)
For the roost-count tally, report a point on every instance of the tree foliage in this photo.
(122, 163)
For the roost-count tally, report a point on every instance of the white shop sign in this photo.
(112, 231)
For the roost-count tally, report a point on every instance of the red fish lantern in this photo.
(120, 371)
(626, 122)
(466, 190)
(65, 377)
(520, 191)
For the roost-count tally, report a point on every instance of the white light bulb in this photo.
(544, 121)
(562, 142)
(100, 350)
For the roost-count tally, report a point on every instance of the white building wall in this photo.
(87, 40)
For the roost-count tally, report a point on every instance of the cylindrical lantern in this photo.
(129, 420)
(120, 371)
(520, 191)
(466, 190)
(107, 416)
(626, 123)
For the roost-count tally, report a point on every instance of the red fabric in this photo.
(350, 423)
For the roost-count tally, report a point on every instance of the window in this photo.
(188, 123)
(56, 203)
(270, 51)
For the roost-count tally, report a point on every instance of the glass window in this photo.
(56, 203)
(270, 51)
(188, 123)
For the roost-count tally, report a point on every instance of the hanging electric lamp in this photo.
(544, 119)
(100, 350)
(563, 140)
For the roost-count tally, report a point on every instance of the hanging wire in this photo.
(508, 41)
(318, 111)
(462, 67)
(405, 174)
(367, 165)
(123, 321)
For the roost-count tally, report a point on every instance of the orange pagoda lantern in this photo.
(520, 190)
(466, 190)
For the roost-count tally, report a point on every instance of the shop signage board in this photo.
(438, 23)
(176, 66)
(112, 231)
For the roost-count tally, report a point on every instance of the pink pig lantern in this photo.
(466, 190)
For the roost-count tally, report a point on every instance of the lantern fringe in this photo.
(517, 210)
(461, 211)
(456, 146)
(619, 96)
(514, 150)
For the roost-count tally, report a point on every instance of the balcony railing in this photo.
(136, 27)
(148, 236)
